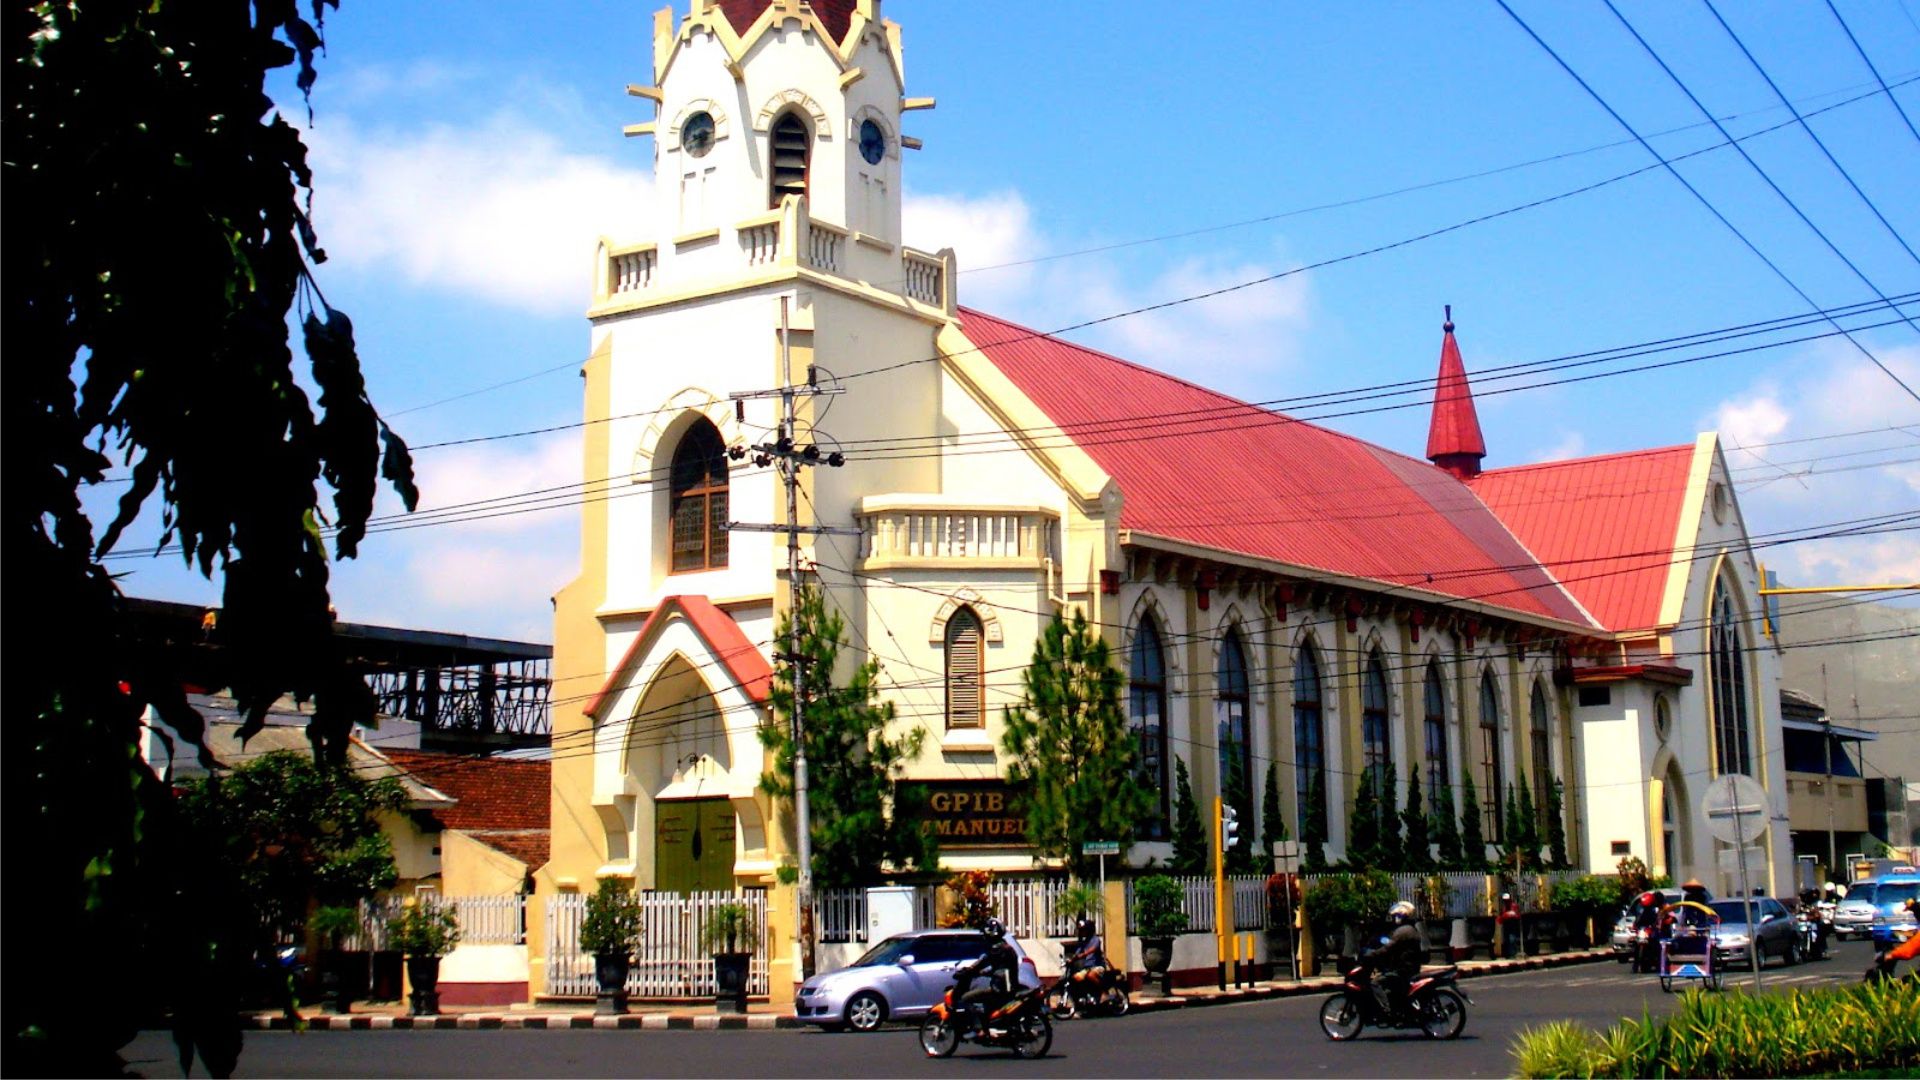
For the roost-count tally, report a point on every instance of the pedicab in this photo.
(1686, 954)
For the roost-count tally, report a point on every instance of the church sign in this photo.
(971, 813)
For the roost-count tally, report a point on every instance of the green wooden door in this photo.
(693, 845)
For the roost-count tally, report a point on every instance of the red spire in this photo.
(1453, 440)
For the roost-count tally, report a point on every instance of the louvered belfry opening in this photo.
(965, 706)
(791, 147)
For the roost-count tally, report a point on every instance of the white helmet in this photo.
(1401, 912)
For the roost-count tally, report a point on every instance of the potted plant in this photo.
(730, 935)
(609, 933)
(1080, 900)
(1351, 904)
(1434, 897)
(1159, 914)
(343, 973)
(1584, 900)
(424, 930)
(1537, 920)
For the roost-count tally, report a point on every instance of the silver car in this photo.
(901, 977)
(1774, 935)
(1853, 917)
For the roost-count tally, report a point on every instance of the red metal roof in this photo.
(1200, 467)
(1453, 438)
(1604, 526)
(834, 15)
(493, 793)
(738, 656)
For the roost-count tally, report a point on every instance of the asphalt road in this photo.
(1268, 1038)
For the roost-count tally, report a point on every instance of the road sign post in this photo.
(1286, 862)
(1102, 848)
(1735, 807)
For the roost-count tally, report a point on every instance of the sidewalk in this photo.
(760, 1016)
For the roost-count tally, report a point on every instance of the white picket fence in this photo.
(670, 963)
(491, 920)
(1026, 905)
(840, 915)
(1249, 892)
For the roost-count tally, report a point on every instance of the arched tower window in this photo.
(1232, 736)
(1309, 738)
(790, 147)
(1436, 731)
(1375, 736)
(1542, 745)
(699, 499)
(1491, 778)
(1732, 739)
(966, 706)
(1147, 712)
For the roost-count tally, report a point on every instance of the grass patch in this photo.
(1863, 1030)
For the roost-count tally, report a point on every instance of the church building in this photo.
(1278, 593)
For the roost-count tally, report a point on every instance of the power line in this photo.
(1876, 71)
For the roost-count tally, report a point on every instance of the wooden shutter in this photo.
(964, 704)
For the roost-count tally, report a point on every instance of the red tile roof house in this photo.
(494, 835)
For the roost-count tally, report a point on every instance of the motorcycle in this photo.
(1435, 1004)
(1083, 991)
(1810, 935)
(1883, 969)
(1019, 1024)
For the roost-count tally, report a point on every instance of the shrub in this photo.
(1434, 896)
(1800, 1033)
(730, 928)
(424, 926)
(612, 925)
(1080, 900)
(1158, 907)
(1350, 900)
(334, 924)
(1283, 898)
(973, 902)
(1587, 895)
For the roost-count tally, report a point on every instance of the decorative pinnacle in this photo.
(1447, 327)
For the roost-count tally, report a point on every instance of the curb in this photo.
(1329, 984)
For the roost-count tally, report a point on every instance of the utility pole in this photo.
(789, 458)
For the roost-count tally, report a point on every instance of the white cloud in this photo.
(1572, 444)
(496, 486)
(498, 210)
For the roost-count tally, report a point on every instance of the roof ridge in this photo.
(1613, 455)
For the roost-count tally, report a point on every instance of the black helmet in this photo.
(995, 928)
(1401, 912)
(1084, 928)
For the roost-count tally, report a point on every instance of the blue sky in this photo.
(467, 155)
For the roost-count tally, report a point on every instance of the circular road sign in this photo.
(1736, 808)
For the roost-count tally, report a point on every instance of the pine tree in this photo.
(1445, 828)
(1363, 838)
(1557, 824)
(1512, 830)
(1392, 856)
(1069, 748)
(1234, 793)
(1419, 852)
(1273, 826)
(1313, 831)
(853, 768)
(1190, 852)
(1473, 842)
(1529, 828)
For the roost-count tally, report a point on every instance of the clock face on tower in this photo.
(873, 144)
(696, 135)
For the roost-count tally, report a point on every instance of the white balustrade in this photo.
(760, 241)
(631, 269)
(826, 247)
(1028, 535)
(925, 277)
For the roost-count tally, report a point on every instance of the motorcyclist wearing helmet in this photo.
(1089, 953)
(1398, 960)
(997, 969)
(1646, 933)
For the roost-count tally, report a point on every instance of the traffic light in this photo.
(1229, 826)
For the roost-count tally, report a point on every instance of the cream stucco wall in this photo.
(471, 868)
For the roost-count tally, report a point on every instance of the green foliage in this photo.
(1588, 895)
(1069, 750)
(853, 768)
(1273, 824)
(612, 923)
(1528, 818)
(1313, 831)
(424, 926)
(1363, 843)
(1557, 824)
(1392, 854)
(1419, 845)
(1159, 908)
(730, 928)
(1080, 900)
(1512, 833)
(973, 903)
(1445, 827)
(1434, 896)
(157, 251)
(1473, 844)
(334, 923)
(1350, 899)
(1191, 855)
(1633, 875)
(1234, 792)
(1797, 1033)
(293, 832)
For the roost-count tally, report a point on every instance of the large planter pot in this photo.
(424, 973)
(1480, 934)
(610, 973)
(1326, 952)
(1156, 955)
(730, 981)
(1541, 929)
(386, 976)
(1279, 952)
(343, 978)
(1438, 933)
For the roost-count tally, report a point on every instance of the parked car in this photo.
(1621, 940)
(1890, 895)
(1853, 917)
(899, 978)
(1772, 932)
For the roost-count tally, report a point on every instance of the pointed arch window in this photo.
(1540, 734)
(699, 499)
(790, 147)
(1491, 778)
(1732, 737)
(966, 706)
(1436, 730)
(1376, 736)
(1309, 738)
(1233, 736)
(1147, 712)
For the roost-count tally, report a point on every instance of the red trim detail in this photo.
(741, 658)
(1671, 674)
